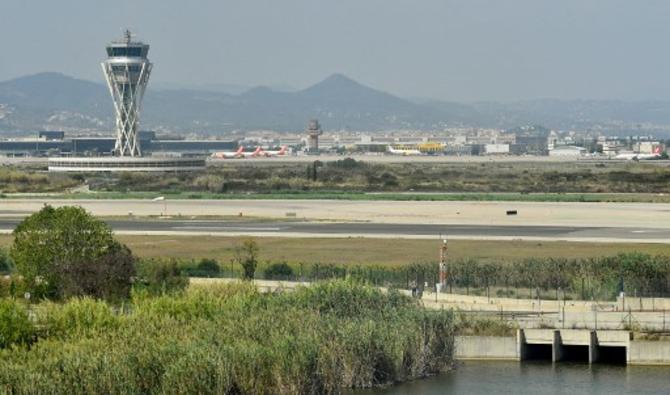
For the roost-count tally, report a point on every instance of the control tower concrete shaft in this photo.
(127, 71)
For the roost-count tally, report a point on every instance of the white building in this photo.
(568, 151)
(495, 149)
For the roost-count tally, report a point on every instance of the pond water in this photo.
(538, 378)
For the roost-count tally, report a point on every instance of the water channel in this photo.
(486, 378)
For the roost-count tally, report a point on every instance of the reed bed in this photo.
(230, 339)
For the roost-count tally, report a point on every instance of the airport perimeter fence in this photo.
(597, 279)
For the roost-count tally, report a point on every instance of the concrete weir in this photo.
(575, 345)
(562, 345)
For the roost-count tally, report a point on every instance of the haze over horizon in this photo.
(474, 50)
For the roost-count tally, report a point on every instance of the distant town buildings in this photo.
(457, 142)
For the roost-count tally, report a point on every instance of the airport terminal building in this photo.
(56, 143)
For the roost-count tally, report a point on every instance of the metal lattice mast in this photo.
(127, 71)
(443, 265)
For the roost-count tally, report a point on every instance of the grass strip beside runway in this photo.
(367, 251)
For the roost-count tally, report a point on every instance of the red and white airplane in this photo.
(281, 152)
(254, 154)
(228, 154)
(638, 156)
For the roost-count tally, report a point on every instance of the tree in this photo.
(247, 256)
(66, 251)
(107, 277)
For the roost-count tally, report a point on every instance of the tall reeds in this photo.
(231, 339)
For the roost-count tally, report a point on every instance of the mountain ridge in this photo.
(56, 101)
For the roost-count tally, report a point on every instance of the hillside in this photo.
(57, 101)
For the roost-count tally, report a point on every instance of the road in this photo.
(338, 229)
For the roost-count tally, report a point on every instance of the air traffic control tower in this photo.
(127, 71)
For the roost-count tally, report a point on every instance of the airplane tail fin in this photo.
(657, 150)
(282, 151)
(239, 150)
(258, 150)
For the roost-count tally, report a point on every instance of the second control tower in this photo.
(127, 72)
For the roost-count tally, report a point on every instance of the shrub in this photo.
(278, 271)
(160, 277)
(206, 267)
(246, 255)
(77, 317)
(15, 326)
(66, 251)
(210, 266)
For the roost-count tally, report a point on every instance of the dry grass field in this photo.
(366, 251)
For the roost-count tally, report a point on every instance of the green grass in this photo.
(367, 251)
(369, 196)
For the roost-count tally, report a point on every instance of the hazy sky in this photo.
(447, 49)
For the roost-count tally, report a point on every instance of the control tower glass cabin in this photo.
(127, 72)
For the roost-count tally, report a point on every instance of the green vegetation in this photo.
(279, 271)
(385, 196)
(6, 264)
(159, 277)
(246, 255)
(23, 179)
(472, 325)
(230, 339)
(367, 251)
(352, 179)
(349, 175)
(594, 278)
(65, 251)
(15, 326)
(599, 278)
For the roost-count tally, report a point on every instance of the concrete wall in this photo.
(483, 303)
(649, 353)
(486, 347)
(633, 304)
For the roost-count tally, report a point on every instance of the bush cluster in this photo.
(15, 326)
(354, 175)
(230, 339)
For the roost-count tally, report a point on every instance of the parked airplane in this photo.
(281, 152)
(403, 151)
(254, 154)
(228, 154)
(637, 156)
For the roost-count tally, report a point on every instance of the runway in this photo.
(419, 231)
